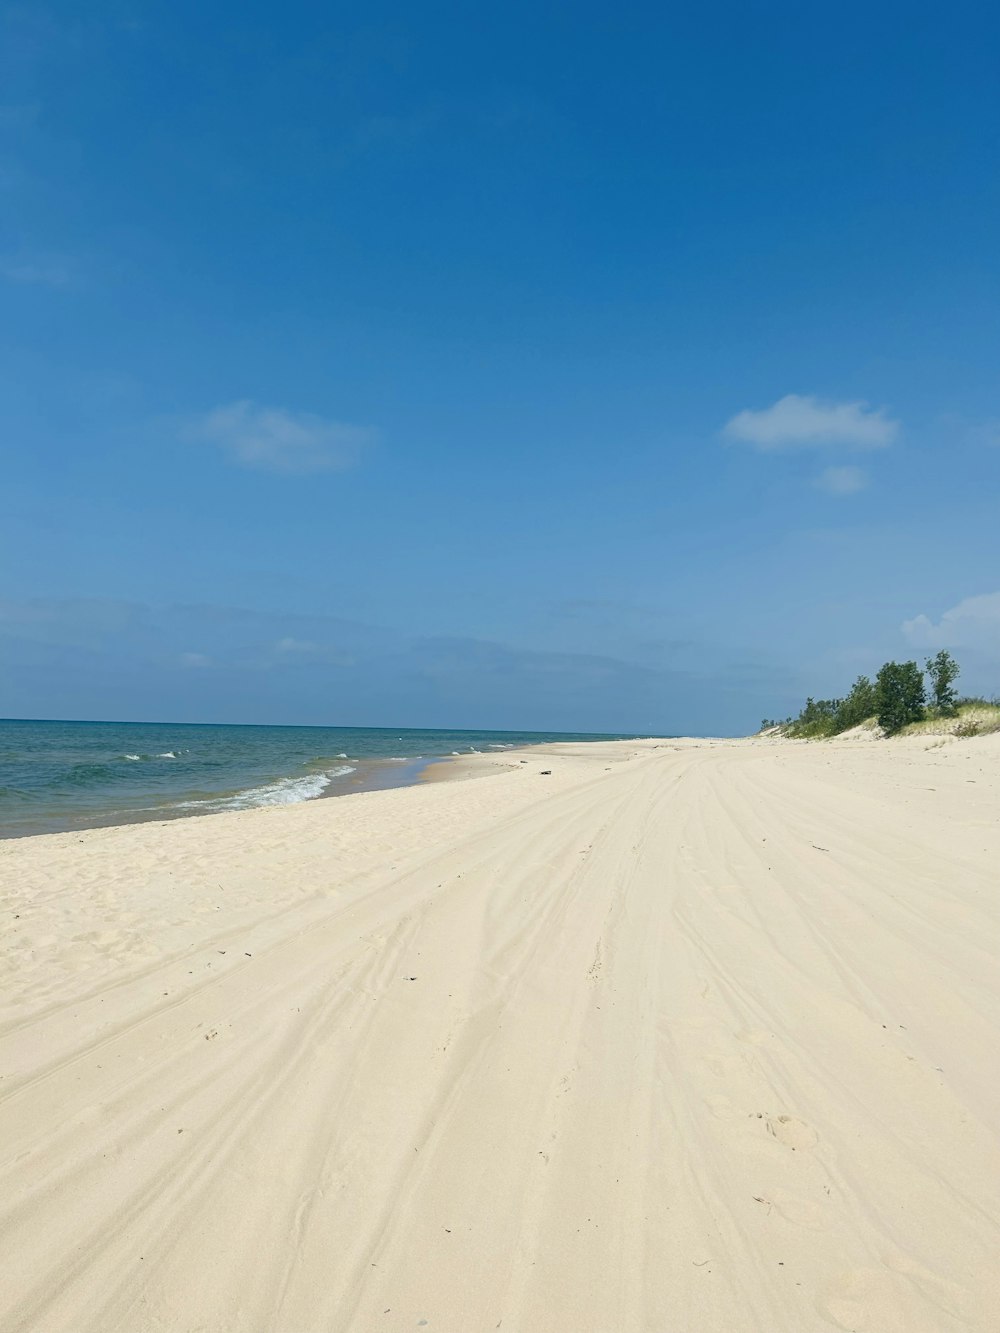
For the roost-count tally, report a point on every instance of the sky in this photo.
(591, 367)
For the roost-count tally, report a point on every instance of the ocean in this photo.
(57, 776)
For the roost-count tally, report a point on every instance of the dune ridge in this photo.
(681, 1035)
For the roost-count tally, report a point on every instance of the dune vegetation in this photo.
(901, 700)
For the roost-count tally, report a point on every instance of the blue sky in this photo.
(594, 367)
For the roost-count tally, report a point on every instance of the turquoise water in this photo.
(67, 775)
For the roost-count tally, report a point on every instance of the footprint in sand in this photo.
(792, 1132)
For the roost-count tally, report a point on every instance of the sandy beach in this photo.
(678, 1036)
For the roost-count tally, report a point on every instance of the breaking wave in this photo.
(165, 754)
(286, 791)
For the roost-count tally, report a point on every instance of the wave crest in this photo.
(286, 791)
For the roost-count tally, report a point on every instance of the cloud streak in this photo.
(218, 663)
(842, 481)
(275, 439)
(804, 422)
(54, 271)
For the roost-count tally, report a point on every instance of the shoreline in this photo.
(26, 811)
(638, 1034)
(367, 775)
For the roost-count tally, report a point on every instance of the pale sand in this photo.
(686, 1036)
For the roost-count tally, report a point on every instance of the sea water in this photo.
(65, 775)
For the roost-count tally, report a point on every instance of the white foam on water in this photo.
(166, 754)
(286, 791)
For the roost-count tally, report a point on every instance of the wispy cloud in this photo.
(230, 664)
(973, 622)
(842, 480)
(986, 432)
(39, 270)
(276, 439)
(802, 421)
(954, 427)
(18, 115)
(289, 646)
(309, 652)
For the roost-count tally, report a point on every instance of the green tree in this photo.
(942, 672)
(857, 707)
(899, 696)
(816, 719)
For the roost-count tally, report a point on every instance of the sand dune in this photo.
(684, 1036)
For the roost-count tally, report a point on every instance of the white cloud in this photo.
(842, 480)
(277, 440)
(195, 660)
(974, 623)
(798, 421)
